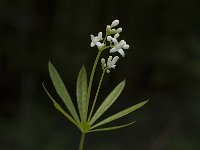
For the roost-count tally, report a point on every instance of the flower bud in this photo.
(108, 71)
(118, 30)
(109, 38)
(116, 35)
(103, 61)
(115, 23)
(108, 27)
(113, 31)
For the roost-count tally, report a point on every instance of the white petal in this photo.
(113, 66)
(92, 44)
(115, 23)
(126, 46)
(100, 34)
(115, 59)
(121, 52)
(98, 44)
(112, 50)
(92, 37)
(121, 44)
(115, 41)
(113, 62)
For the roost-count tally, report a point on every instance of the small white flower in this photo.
(114, 23)
(112, 61)
(96, 39)
(119, 46)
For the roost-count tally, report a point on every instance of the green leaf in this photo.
(81, 91)
(112, 128)
(110, 99)
(62, 91)
(119, 114)
(60, 108)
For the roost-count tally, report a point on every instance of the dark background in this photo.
(162, 65)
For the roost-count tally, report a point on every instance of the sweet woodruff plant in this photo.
(87, 119)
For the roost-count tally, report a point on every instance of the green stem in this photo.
(97, 93)
(82, 141)
(90, 84)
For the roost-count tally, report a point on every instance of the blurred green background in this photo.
(162, 65)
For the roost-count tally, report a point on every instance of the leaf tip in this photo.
(83, 68)
(146, 101)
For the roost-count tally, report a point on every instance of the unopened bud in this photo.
(109, 38)
(113, 31)
(108, 71)
(103, 61)
(118, 30)
(108, 27)
(116, 35)
(115, 23)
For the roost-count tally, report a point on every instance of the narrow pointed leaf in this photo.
(120, 114)
(57, 106)
(110, 99)
(81, 91)
(62, 91)
(112, 128)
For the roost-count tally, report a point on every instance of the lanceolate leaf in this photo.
(81, 91)
(60, 108)
(108, 101)
(62, 91)
(112, 128)
(120, 114)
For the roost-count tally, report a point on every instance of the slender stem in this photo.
(92, 76)
(82, 141)
(90, 84)
(97, 93)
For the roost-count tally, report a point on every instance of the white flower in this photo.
(112, 61)
(114, 23)
(119, 46)
(96, 39)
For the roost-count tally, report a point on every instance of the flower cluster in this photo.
(110, 63)
(112, 35)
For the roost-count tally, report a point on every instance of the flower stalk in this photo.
(96, 95)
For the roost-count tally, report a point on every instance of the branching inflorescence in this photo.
(87, 121)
